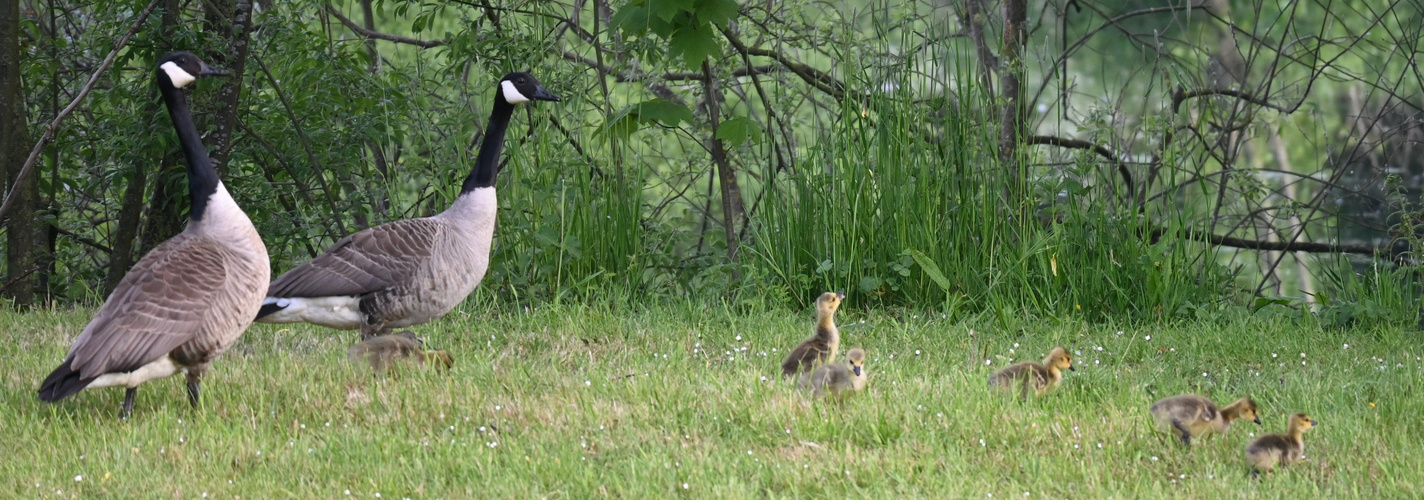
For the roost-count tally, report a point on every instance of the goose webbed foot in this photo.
(127, 409)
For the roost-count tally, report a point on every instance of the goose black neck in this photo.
(202, 179)
(487, 164)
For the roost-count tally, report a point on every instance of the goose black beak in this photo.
(840, 294)
(542, 94)
(1314, 423)
(857, 370)
(205, 70)
(1071, 369)
(1257, 421)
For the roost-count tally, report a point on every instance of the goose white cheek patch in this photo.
(512, 94)
(177, 75)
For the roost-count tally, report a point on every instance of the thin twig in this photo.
(351, 25)
(53, 127)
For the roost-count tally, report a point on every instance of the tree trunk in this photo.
(1010, 76)
(15, 145)
(732, 212)
(380, 201)
(131, 206)
(165, 207)
(233, 19)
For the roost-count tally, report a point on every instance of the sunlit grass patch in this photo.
(682, 400)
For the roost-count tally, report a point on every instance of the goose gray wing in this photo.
(161, 304)
(370, 260)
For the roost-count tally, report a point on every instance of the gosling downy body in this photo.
(411, 271)
(191, 297)
(1188, 416)
(386, 352)
(837, 380)
(1271, 450)
(1027, 375)
(821, 347)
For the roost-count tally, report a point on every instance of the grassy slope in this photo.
(669, 401)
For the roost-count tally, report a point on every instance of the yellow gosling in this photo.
(385, 352)
(1271, 450)
(1188, 416)
(1040, 377)
(821, 347)
(838, 381)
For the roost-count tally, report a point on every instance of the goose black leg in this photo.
(1186, 436)
(127, 409)
(195, 381)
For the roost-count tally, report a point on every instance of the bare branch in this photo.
(817, 78)
(1181, 94)
(351, 25)
(1101, 150)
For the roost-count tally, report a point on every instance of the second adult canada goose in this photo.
(191, 297)
(820, 348)
(1040, 377)
(411, 271)
(1189, 416)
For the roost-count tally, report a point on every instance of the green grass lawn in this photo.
(572, 402)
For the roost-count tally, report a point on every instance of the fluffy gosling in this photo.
(1270, 450)
(1041, 377)
(821, 347)
(837, 380)
(387, 351)
(1188, 416)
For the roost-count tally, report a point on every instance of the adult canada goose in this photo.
(411, 271)
(1040, 377)
(1189, 416)
(838, 380)
(186, 301)
(388, 351)
(820, 348)
(1270, 450)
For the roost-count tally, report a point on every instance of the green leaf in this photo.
(738, 131)
(667, 9)
(695, 45)
(931, 270)
(717, 12)
(1262, 302)
(667, 112)
(631, 19)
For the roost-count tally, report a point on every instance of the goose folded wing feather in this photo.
(374, 259)
(161, 304)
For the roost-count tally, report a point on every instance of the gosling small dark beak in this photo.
(205, 70)
(857, 370)
(1314, 423)
(1071, 369)
(1257, 421)
(542, 94)
(840, 294)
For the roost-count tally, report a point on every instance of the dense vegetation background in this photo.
(1075, 158)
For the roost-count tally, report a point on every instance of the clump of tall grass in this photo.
(905, 202)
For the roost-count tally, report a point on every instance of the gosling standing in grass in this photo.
(387, 351)
(1041, 377)
(837, 380)
(821, 347)
(1270, 450)
(1188, 416)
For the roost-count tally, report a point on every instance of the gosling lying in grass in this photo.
(388, 351)
(1040, 377)
(839, 380)
(821, 347)
(1268, 451)
(1188, 416)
